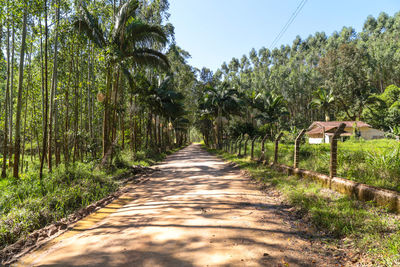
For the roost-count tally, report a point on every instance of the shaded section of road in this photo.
(196, 211)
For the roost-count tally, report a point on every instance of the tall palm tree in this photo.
(128, 42)
(323, 100)
(164, 101)
(221, 102)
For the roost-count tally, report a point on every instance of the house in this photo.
(322, 131)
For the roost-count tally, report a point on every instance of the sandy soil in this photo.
(196, 211)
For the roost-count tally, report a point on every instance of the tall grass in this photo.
(24, 207)
(374, 162)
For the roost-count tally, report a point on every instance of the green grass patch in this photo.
(366, 228)
(374, 162)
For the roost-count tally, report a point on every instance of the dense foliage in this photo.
(345, 76)
(87, 88)
(81, 79)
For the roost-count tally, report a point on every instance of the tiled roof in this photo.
(330, 126)
(318, 130)
(325, 124)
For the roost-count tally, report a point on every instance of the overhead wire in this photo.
(288, 23)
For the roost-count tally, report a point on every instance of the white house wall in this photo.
(315, 140)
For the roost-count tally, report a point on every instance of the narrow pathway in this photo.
(196, 211)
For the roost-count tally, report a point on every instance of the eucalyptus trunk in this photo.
(5, 142)
(46, 97)
(53, 93)
(17, 146)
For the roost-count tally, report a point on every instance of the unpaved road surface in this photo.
(196, 211)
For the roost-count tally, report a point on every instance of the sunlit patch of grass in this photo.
(367, 228)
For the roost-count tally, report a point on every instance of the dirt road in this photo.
(196, 211)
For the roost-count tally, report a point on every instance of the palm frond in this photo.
(126, 11)
(148, 57)
(142, 34)
(87, 24)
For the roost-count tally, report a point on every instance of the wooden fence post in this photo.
(245, 145)
(240, 145)
(333, 160)
(236, 145)
(252, 147)
(277, 147)
(262, 156)
(297, 148)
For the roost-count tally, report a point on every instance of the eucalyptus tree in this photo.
(17, 146)
(128, 41)
(346, 71)
(7, 93)
(351, 66)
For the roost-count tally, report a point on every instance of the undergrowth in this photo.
(360, 225)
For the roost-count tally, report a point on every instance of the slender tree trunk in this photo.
(11, 99)
(114, 107)
(24, 137)
(46, 97)
(26, 106)
(53, 92)
(106, 141)
(76, 115)
(67, 125)
(131, 123)
(5, 142)
(154, 127)
(17, 146)
(135, 127)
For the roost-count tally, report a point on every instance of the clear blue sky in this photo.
(214, 31)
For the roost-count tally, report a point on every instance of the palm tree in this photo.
(164, 101)
(272, 107)
(128, 42)
(323, 100)
(220, 102)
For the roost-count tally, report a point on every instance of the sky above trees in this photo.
(215, 31)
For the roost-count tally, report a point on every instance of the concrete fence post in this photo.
(297, 148)
(277, 147)
(245, 145)
(333, 160)
(252, 147)
(262, 156)
(240, 146)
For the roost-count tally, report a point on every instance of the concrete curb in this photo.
(382, 197)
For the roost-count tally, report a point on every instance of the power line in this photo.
(288, 23)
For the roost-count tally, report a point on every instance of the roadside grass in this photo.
(361, 226)
(373, 162)
(25, 206)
